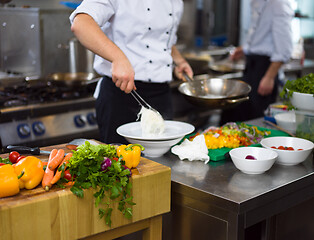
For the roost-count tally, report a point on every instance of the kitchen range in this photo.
(41, 113)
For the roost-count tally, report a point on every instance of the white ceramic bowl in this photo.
(303, 101)
(287, 121)
(156, 146)
(289, 157)
(155, 149)
(265, 159)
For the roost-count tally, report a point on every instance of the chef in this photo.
(268, 46)
(134, 42)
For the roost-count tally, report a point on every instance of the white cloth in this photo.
(145, 30)
(192, 150)
(270, 32)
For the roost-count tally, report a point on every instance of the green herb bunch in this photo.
(111, 185)
(304, 84)
(5, 161)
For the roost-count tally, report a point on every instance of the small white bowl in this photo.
(287, 121)
(303, 101)
(155, 149)
(289, 157)
(265, 159)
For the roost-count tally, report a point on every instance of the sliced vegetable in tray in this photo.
(220, 140)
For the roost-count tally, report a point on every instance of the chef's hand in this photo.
(181, 67)
(266, 86)
(236, 54)
(123, 74)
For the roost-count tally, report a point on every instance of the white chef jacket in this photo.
(270, 31)
(145, 30)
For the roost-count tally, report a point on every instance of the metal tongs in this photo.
(142, 102)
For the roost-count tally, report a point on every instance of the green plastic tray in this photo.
(220, 154)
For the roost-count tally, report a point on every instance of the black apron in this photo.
(255, 69)
(115, 108)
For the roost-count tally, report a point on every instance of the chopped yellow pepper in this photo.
(9, 183)
(32, 170)
(131, 154)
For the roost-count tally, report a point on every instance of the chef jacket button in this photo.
(170, 14)
(147, 46)
(148, 9)
(150, 61)
(168, 65)
(149, 28)
(167, 32)
(165, 49)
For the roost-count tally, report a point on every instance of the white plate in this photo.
(173, 129)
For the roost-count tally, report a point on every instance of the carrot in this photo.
(56, 160)
(57, 176)
(71, 183)
(48, 175)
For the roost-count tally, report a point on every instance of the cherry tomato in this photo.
(14, 156)
(281, 148)
(19, 158)
(290, 148)
(274, 147)
(67, 175)
(2, 163)
(300, 149)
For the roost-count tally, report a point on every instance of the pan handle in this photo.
(238, 100)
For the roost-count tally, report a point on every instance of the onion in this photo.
(105, 164)
(250, 157)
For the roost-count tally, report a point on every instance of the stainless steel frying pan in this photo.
(215, 93)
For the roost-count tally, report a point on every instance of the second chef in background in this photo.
(134, 42)
(267, 47)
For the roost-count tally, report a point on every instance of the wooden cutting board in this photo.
(59, 214)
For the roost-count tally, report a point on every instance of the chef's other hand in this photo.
(266, 86)
(236, 54)
(123, 74)
(181, 67)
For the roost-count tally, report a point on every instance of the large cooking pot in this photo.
(73, 79)
(215, 93)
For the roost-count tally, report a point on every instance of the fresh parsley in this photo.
(111, 185)
(5, 161)
(304, 84)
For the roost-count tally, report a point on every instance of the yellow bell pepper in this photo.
(31, 169)
(131, 154)
(9, 183)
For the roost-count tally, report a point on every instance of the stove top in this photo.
(40, 113)
(40, 92)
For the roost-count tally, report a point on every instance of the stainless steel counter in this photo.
(217, 201)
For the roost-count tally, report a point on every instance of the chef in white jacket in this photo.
(134, 42)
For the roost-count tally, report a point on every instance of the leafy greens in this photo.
(111, 185)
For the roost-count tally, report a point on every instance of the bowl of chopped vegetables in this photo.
(253, 160)
(300, 92)
(291, 150)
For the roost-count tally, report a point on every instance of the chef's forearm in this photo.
(176, 56)
(92, 37)
(273, 69)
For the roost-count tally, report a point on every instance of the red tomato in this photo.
(67, 175)
(2, 163)
(290, 148)
(14, 156)
(281, 148)
(274, 147)
(300, 149)
(19, 158)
